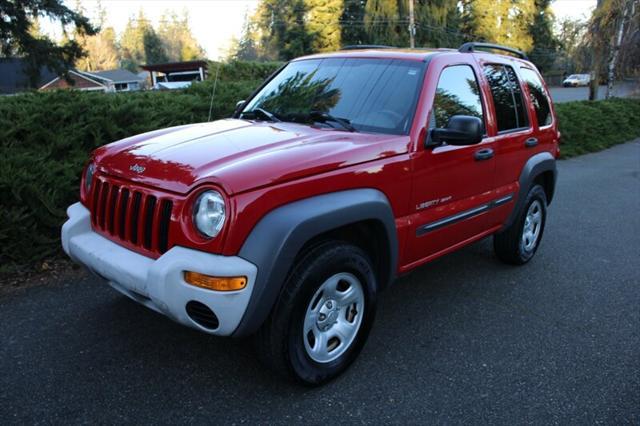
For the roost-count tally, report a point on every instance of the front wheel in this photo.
(323, 316)
(519, 242)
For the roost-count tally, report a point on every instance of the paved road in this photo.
(463, 340)
(568, 94)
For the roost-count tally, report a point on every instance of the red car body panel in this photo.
(260, 166)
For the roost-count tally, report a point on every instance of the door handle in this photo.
(483, 154)
(531, 142)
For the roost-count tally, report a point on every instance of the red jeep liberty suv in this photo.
(341, 172)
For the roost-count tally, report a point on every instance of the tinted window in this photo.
(457, 94)
(376, 95)
(507, 97)
(538, 96)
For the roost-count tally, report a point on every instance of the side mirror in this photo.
(460, 130)
(239, 106)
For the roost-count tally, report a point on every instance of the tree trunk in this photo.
(613, 56)
(595, 65)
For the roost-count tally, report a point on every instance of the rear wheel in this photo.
(323, 316)
(519, 242)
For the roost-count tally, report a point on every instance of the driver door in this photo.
(452, 184)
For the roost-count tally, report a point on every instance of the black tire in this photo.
(280, 341)
(508, 244)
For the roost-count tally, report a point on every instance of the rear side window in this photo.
(507, 97)
(538, 96)
(457, 93)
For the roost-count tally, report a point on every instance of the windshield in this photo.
(355, 94)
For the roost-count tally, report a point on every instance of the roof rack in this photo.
(366, 46)
(471, 47)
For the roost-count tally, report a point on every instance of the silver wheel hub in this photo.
(532, 227)
(333, 317)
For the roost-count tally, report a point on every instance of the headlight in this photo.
(209, 213)
(88, 177)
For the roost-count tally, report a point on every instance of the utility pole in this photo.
(412, 25)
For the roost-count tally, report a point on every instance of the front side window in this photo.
(507, 97)
(457, 93)
(370, 95)
(539, 97)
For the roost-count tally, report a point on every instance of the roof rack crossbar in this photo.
(365, 46)
(471, 47)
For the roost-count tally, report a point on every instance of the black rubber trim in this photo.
(536, 165)
(278, 237)
(471, 47)
(450, 220)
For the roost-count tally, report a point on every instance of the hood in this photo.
(239, 155)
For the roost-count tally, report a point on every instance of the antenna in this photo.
(213, 92)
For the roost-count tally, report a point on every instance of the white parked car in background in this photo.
(575, 80)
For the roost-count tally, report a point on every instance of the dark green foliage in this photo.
(545, 43)
(17, 39)
(243, 70)
(46, 137)
(593, 126)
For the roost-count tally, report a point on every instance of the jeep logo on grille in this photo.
(136, 168)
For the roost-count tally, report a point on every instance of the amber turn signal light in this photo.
(215, 283)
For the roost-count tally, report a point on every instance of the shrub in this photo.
(593, 126)
(46, 138)
(243, 70)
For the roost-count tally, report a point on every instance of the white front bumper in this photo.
(159, 284)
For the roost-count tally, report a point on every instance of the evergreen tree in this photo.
(140, 44)
(352, 23)
(383, 23)
(154, 52)
(245, 48)
(505, 22)
(18, 37)
(281, 29)
(177, 38)
(438, 23)
(323, 23)
(545, 44)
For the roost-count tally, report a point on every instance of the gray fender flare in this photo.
(539, 163)
(277, 238)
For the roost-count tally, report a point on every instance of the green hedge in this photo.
(46, 137)
(242, 70)
(593, 126)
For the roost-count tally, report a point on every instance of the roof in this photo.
(86, 81)
(418, 54)
(385, 53)
(176, 66)
(14, 79)
(115, 76)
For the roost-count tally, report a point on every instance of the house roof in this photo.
(114, 76)
(13, 76)
(89, 81)
(176, 66)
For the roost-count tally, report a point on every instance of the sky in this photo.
(215, 22)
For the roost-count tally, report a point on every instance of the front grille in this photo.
(131, 215)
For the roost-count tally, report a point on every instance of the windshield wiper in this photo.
(322, 117)
(263, 112)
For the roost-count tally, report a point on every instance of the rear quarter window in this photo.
(538, 96)
(508, 101)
